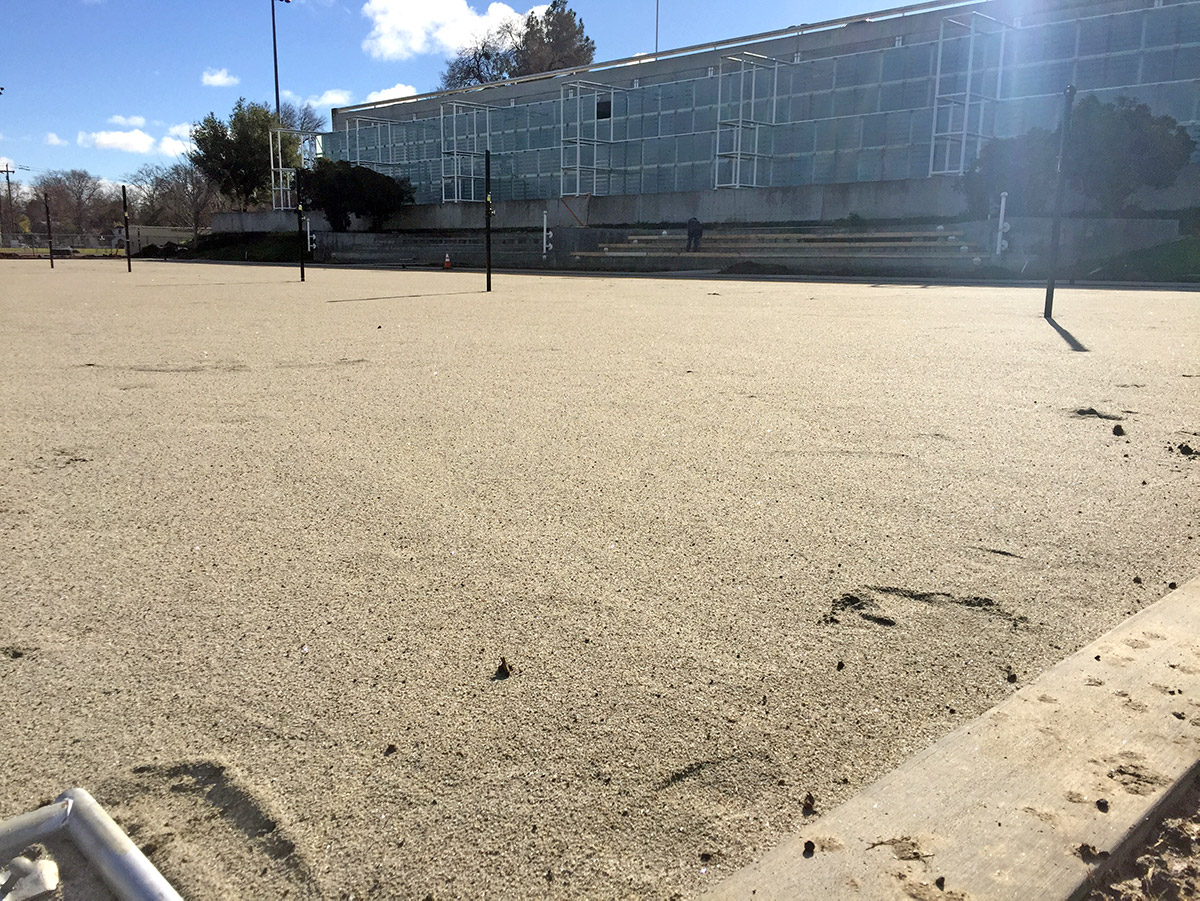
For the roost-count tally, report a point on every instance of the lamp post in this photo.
(656, 29)
(275, 54)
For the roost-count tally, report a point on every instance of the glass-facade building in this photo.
(908, 93)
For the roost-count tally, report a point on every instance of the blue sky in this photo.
(109, 85)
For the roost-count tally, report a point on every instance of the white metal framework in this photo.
(963, 91)
(586, 114)
(466, 136)
(907, 93)
(286, 145)
(747, 91)
(368, 142)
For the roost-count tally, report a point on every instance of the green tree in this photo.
(1117, 148)
(339, 189)
(235, 154)
(1024, 166)
(553, 40)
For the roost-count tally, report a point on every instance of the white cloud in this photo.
(218, 78)
(333, 97)
(175, 147)
(55, 141)
(128, 121)
(182, 130)
(393, 93)
(136, 141)
(6, 163)
(406, 28)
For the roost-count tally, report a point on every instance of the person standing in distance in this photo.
(694, 231)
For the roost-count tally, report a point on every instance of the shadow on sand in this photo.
(1071, 340)
(402, 296)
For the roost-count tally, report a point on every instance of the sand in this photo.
(265, 544)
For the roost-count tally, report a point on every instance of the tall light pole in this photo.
(275, 54)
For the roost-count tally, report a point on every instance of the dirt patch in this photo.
(1168, 866)
(1086, 412)
(870, 603)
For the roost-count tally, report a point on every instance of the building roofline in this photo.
(894, 12)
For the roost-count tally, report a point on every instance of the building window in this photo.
(603, 109)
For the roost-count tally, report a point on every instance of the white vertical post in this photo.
(962, 156)
(545, 228)
(937, 92)
(717, 154)
(1000, 228)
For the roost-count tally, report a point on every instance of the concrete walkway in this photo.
(1034, 799)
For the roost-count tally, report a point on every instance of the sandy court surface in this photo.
(265, 544)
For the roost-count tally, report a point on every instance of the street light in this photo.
(275, 53)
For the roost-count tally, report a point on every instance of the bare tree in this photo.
(191, 196)
(76, 198)
(490, 57)
(553, 40)
(148, 203)
(303, 118)
(178, 195)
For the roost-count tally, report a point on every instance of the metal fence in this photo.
(34, 244)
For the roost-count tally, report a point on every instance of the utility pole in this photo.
(12, 219)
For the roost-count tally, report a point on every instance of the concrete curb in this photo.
(1037, 798)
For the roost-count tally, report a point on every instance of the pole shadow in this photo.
(1072, 341)
(401, 296)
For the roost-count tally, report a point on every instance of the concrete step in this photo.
(874, 251)
(805, 237)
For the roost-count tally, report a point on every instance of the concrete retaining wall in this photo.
(922, 197)
(1029, 239)
(1081, 240)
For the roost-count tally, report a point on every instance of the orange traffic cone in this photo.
(446, 265)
